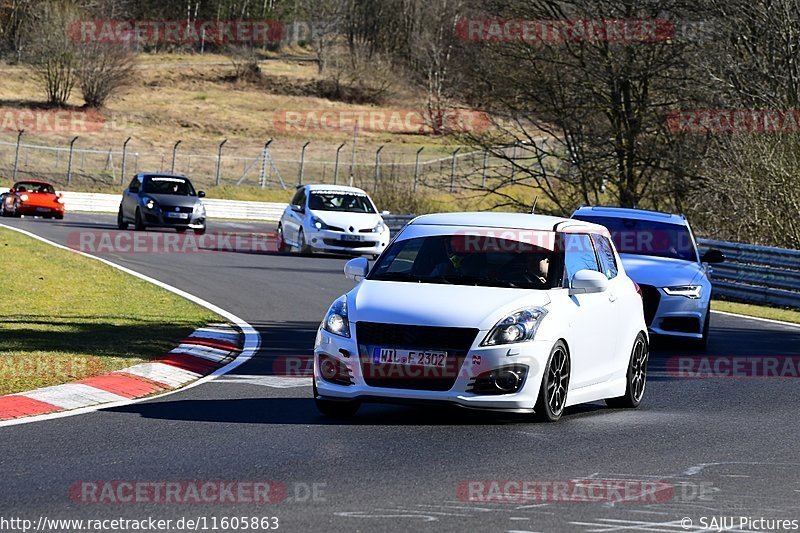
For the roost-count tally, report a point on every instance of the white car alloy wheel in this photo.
(555, 384)
(636, 376)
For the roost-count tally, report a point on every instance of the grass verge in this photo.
(67, 317)
(772, 313)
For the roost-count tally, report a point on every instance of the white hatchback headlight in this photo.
(688, 291)
(379, 228)
(336, 320)
(520, 326)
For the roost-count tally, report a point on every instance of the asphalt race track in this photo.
(722, 446)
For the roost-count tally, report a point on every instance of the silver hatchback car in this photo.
(162, 201)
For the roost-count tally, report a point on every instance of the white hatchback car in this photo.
(332, 218)
(513, 312)
(660, 254)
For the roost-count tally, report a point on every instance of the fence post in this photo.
(453, 169)
(69, 162)
(219, 162)
(336, 170)
(264, 156)
(416, 168)
(514, 161)
(124, 159)
(485, 165)
(378, 166)
(174, 153)
(303, 163)
(16, 156)
(353, 157)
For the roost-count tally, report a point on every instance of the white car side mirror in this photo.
(587, 282)
(386, 212)
(356, 269)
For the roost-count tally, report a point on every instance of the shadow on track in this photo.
(302, 411)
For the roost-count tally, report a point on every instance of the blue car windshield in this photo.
(647, 237)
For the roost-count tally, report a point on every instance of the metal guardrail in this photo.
(397, 222)
(756, 274)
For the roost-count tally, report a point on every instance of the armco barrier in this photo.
(756, 274)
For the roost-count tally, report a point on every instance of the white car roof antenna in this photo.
(533, 207)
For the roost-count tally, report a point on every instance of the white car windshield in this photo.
(350, 202)
(469, 260)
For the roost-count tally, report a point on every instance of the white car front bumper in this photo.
(344, 242)
(478, 361)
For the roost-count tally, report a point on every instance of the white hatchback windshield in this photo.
(350, 202)
(481, 260)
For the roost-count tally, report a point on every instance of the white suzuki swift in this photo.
(512, 312)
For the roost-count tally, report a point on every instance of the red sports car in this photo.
(33, 198)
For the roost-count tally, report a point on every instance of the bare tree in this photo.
(601, 102)
(103, 69)
(51, 52)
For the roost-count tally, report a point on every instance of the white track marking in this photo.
(759, 319)
(252, 340)
(169, 375)
(217, 333)
(277, 382)
(204, 352)
(72, 395)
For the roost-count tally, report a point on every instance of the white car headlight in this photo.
(688, 291)
(336, 320)
(318, 223)
(520, 326)
(379, 228)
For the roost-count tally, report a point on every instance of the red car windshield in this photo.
(26, 186)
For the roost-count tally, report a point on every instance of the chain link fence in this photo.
(271, 165)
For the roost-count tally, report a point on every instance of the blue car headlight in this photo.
(688, 291)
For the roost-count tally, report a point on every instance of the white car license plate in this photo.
(393, 356)
(182, 216)
(352, 238)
